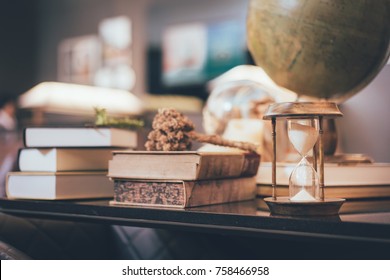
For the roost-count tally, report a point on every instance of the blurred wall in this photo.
(17, 45)
(365, 127)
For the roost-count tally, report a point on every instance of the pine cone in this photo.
(169, 132)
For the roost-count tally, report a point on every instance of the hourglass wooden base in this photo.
(283, 206)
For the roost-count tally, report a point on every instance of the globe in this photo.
(326, 49)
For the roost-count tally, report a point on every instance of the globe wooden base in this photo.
(284, 206)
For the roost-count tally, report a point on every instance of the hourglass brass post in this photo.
(321, 157)
(315, 156)
(274, 158)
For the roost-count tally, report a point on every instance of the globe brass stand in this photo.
(306, 183)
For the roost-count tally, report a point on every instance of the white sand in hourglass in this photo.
(303, 195)
(303, 137)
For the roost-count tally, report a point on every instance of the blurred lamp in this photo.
(64, 98)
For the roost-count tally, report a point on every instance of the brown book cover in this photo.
(182, 194)
(189, 165)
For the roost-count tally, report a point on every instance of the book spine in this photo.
(18, 159)
(24, 137)
(149, 193)
(251, 164)
(182, 193)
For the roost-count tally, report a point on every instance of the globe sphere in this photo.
(328, 49)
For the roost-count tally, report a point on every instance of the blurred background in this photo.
(165, 52)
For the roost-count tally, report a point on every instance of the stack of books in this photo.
(182, 179)
(66, 162)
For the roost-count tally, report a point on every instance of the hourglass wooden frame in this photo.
(303, 110)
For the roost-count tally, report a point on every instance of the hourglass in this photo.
(306, 181)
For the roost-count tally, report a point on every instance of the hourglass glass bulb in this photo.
(304, 183)
(303, 134)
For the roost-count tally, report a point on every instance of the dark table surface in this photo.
(364, 221)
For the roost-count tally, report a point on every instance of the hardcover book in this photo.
(182, 194)
(58, 186)
(361, 180)
(182, 165)
(64, 159)
(359, 174)
(46, 137)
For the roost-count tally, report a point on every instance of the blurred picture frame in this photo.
(78, 59)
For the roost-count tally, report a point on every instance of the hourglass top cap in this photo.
(302, 110)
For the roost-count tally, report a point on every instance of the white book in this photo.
(64, 159)
(359, 174)
(58, 186)
(45, 137)
(361, 180)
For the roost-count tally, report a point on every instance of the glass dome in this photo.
(241, 99)
(235, 108)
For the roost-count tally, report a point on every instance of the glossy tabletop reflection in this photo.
(359, 221)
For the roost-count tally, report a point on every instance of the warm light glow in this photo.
(80, 99)
(255, 74)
